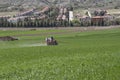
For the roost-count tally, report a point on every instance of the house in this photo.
(45, 10)
(102, 20)
(1, 17)
(26, 13)
(59, 17)
(65, 10)
(16, 19)
(64, 17)
(61, 11)
(97, 20)
(85, 20)
(40, 13)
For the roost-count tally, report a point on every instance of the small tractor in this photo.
(51, 41)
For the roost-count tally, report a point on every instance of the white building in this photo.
(71, 17)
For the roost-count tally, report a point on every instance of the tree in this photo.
(76, 23)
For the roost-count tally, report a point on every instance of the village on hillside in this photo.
(59, 17)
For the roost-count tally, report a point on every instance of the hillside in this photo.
(24, 4)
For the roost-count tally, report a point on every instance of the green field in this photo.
(91, 55)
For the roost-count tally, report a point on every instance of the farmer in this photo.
(52, 38)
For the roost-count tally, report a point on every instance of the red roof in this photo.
(96, 17)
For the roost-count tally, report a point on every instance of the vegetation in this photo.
(93, 55)
(51, 22)
(8, 13)
(6, 5)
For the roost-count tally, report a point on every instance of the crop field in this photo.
(90, 55)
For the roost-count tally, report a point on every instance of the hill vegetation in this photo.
(25, 4)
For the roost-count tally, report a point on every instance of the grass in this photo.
(8, 13)
(83, 11)
(93, 55)
(114, 11)
(25, 32)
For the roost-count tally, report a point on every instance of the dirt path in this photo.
(68, 30)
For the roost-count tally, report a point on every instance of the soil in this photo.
(33, 45)
(7, 38)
